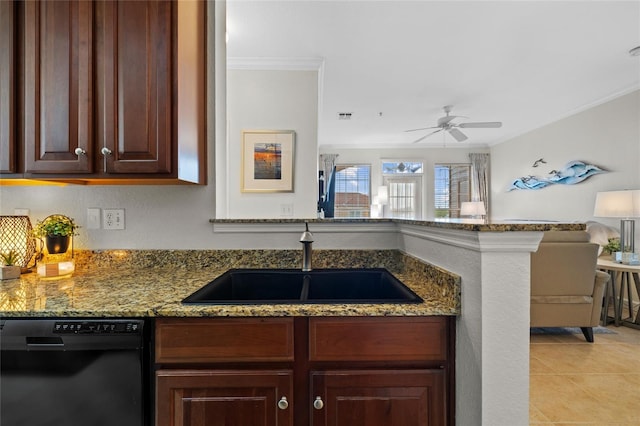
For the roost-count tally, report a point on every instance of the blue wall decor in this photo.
(573, 172)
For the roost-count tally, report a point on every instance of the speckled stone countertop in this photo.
(458, 224)
(152, 283)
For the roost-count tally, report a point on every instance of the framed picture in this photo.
(267, 160)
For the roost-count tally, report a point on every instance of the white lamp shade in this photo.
(618, 204)
(472, 208)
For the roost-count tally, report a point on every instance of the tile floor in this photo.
(573, 382)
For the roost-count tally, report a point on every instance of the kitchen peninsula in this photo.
(493, 262)
(476, 272)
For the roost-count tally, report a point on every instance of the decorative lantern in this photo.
(16, 236)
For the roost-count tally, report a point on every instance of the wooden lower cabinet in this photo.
(224, 398)
(352, 371)
(378, 398)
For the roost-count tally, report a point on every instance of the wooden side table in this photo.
(621, 277)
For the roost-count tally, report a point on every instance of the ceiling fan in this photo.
(446, 123)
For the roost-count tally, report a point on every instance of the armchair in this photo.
(566, 288)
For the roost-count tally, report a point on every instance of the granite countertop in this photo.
(477, 225)
(152, 283)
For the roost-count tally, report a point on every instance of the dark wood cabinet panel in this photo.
(57, 116)
(378, 398)
(134, 85)
(377, 339)
(224, 340)
(224, 397)
(8, 82)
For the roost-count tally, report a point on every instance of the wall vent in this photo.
(344, 115)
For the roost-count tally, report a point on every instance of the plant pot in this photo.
(57, 244)
(9, 272)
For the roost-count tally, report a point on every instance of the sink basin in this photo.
(293, 286)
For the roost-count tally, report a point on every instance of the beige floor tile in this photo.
(536, 416)
(538, 367)
(573, 382)
(584, 358)
(619, 391)
(561, 400)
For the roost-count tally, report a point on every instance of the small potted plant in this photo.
(57, 231)
(10, 270)
(613, 248)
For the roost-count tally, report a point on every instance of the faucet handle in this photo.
(306, 237)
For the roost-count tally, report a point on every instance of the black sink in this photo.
(293, 286)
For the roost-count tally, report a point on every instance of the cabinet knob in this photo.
(283, 404)
(318, 404)
(105, 151)
(79, 151)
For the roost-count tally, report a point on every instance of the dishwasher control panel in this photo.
(96, 327)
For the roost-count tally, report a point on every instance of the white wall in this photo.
(272, 100)
(428, 156)
(607, 135)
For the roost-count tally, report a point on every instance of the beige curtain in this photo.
(480, 180)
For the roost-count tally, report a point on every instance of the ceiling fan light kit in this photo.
(446, 124)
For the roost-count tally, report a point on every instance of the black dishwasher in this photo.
(72, 372)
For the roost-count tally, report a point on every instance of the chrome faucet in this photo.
(306, 239)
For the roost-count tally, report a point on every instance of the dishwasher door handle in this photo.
(44, 342)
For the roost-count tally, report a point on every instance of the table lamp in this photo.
(473, 209)
(625, 205)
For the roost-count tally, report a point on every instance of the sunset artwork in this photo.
(267, 161)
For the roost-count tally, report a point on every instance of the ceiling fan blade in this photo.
(482, 125)
(422, 128)
(457, 134)
(426, 136)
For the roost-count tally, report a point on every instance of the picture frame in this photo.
(267, 160)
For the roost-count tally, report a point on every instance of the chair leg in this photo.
(588, 333)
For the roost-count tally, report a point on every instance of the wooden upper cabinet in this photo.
(57, 121)
(134, 85)
(112, 90)
(8, 81)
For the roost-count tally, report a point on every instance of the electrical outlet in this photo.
(113, 219)
(93, 218)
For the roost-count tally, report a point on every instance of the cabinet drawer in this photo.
(378, 339)
(184, 340)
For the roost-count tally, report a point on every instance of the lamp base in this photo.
(627, 235)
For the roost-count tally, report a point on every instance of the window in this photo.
(353, 190)
(404, 182)
(452, 188)
(401, 167)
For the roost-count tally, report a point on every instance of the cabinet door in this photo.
(57, 78)
(224, 397)
(378, 398)
(134, 86)
(8, 83)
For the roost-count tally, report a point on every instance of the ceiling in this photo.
(395, 64)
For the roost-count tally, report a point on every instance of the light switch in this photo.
(93, 218)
